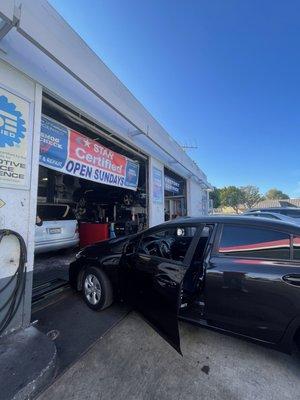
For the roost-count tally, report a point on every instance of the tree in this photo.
(275, 194)
(232, 196)
(251, 195)
(215, 196)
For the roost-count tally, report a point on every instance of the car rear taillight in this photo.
(76, 229)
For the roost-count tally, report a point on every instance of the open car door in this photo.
(152, 272)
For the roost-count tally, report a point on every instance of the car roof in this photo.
(232, 219)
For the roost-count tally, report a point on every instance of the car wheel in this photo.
(128, 199)
(96, 289)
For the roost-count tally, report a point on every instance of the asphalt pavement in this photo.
(74, 326)
(133, 362)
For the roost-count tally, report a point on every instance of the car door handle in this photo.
(293, 279)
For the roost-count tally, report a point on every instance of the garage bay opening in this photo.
(175, 195)
(91, 187)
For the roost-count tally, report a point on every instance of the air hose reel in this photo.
(10, 306)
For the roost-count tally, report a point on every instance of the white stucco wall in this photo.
(156, 208)
(19, 209)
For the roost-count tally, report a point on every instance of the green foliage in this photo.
(232, 196)
(275, 194)
(251, 195)
(245, 196)
(215, 196)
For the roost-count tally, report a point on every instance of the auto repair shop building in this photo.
(71, 134)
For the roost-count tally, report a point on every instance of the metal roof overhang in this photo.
(45, 48)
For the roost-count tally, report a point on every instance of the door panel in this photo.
(252, 296)
(152, 272)
(153, 287)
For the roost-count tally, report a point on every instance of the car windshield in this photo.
(55, 212)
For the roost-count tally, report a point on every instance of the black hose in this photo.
(13, 301)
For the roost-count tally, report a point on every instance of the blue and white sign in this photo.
(65, 150)
(132, 174)
(53, 144)
(172, 186)
(12, 125)
(14, 121)
(157, 185)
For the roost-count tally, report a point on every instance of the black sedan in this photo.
(235, 274)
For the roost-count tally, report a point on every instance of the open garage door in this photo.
(90, 189)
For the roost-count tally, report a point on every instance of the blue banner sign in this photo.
(70, 152)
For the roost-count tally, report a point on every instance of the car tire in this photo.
(128, 199)
(96, 289)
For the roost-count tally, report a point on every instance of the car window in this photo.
(240, 241)
(55, 212)
(296, 248)
(171, 244)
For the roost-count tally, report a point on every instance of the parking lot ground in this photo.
(74, 326)
(134, 362)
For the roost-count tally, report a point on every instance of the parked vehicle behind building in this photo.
(292, 212)
(272, 215)
(235, 274)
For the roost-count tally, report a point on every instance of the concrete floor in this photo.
(132, 362)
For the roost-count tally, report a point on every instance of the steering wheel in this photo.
(165, 249)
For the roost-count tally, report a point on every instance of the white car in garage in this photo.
(56, 228)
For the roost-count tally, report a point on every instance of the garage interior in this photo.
(91, 210)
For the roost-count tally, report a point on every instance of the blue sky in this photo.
(223, 74)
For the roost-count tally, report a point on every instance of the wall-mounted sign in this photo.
(70, 152)
(157, 187)
(171, 185)
(14, 136)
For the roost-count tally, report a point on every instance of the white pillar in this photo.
(20, 116)
(197, 201)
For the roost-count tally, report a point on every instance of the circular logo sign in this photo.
(12, 126)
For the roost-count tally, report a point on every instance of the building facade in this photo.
(72, 134)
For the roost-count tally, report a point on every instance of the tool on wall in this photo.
(19, 277)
